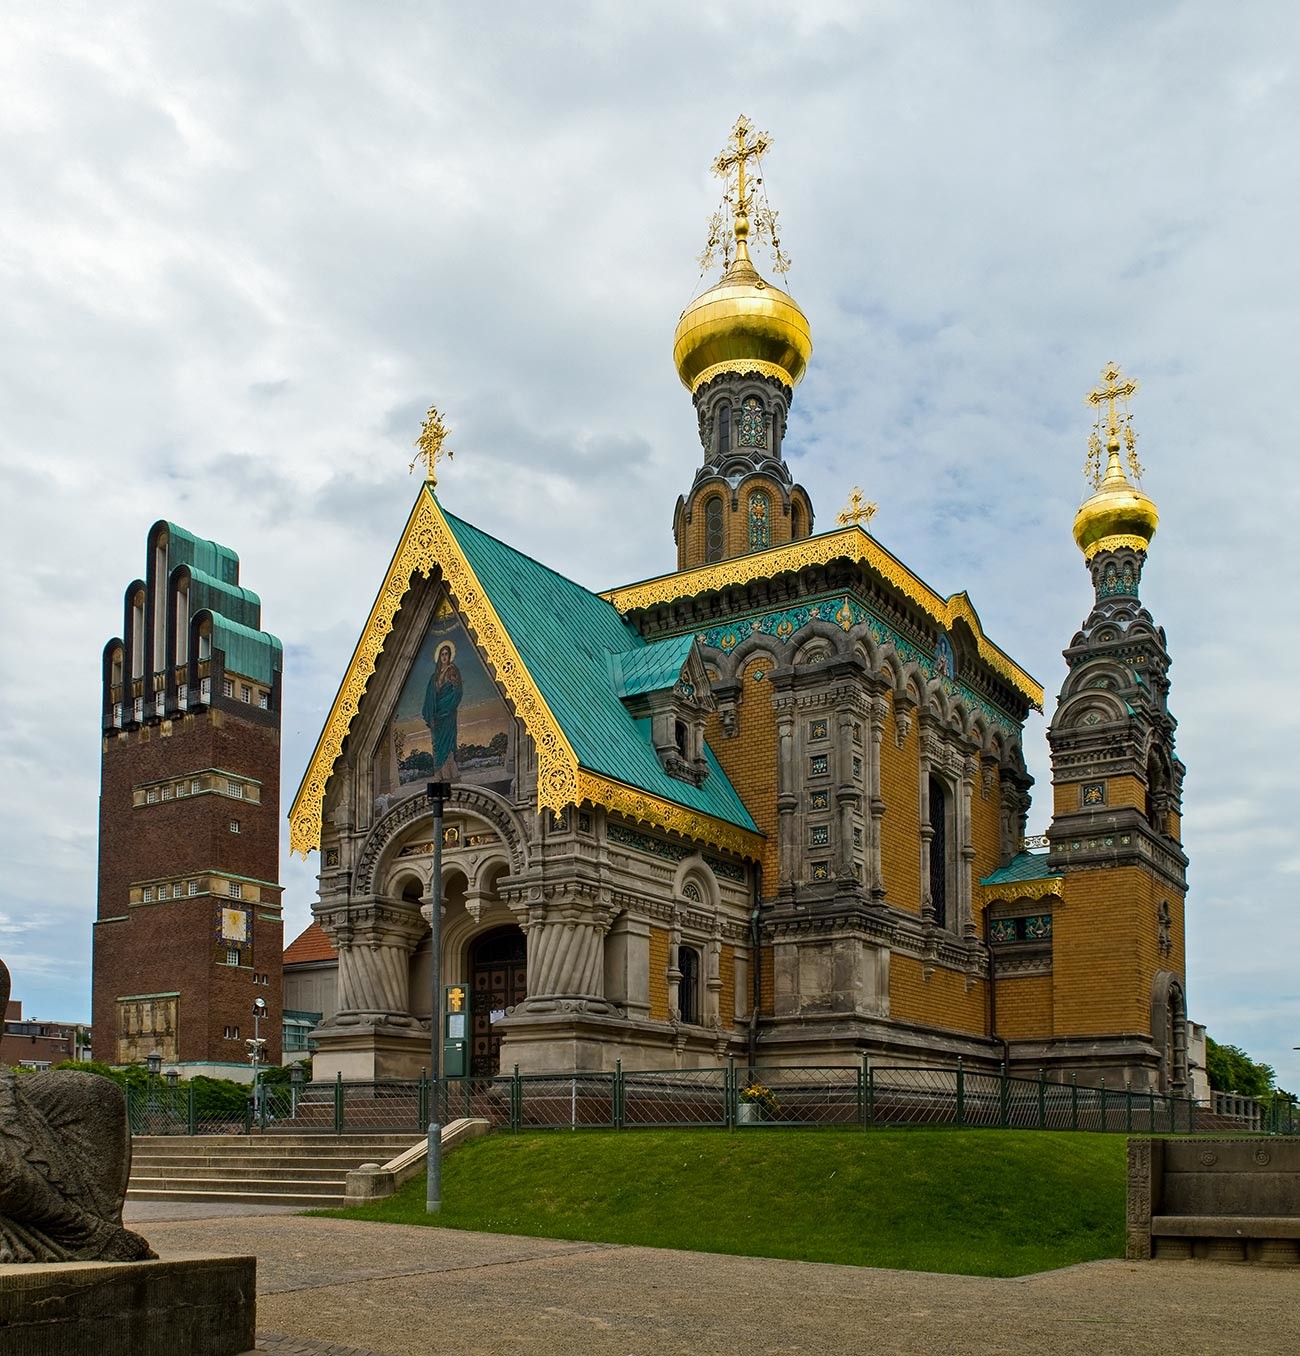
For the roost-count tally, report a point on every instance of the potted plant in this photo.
(757, 1103)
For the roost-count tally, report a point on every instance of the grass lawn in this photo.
(986, 1202)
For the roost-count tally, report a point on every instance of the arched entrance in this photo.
(498, 979)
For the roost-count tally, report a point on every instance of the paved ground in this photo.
(351, 1289)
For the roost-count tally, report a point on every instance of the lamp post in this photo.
(259, 1011)
(153, 1062)
(438, 793)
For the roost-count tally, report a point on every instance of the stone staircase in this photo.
(270, 1169)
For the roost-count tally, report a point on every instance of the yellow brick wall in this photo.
(900, 829)
(1024, 1008)
(727, 994)
(942, 1000)
(749, 759)
(691, 545)
(766, 982)
(986, 834)
(658, 974)
(1067, 797)
(1106, 950)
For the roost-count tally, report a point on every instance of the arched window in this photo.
(760, 521)
(939, 852)
(680, 736)
(798, 521)
(688, 987)
(713, 529)
(724, 428)
(753, 425)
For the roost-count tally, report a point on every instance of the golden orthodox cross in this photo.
(430, 441)
(857, 511)
(747, 147)
(1115, 386)
(456, 999)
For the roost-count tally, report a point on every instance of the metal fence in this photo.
(732, 1096)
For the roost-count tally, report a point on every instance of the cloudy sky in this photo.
(243, 245)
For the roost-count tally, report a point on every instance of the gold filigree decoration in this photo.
(743, 366)
(430, 442)
(427, 544)
(1023, 889)
(1117, 543)
(850, 543)
(635, 804)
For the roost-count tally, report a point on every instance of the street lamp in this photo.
(438, 792)
(259, 1011)
(153, 1061)
(172, 1076)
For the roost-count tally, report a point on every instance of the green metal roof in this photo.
(566, 637)
(184, 548)
(1023, 866)
(652, 668)
(255, 654)
(230, 600)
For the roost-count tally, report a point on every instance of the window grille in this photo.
(182, 790)
(235, 889)
(227, 688)
(245, 693)
(232, 956)
(166, 793)
(263, 700)
(146, 894)
(235, 789)
(151, 796)
(193, 887)
(195, 787)
(234, 826)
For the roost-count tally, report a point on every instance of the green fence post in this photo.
(516, 1100)
(871, 1092)
(1128, 1106)
(422, 1098)
(961, 1091)
(1042, 1100)
(1173, 1113)
(860, 1088)
(338, 1102)
(1074, 1101)
(191, 1119)
(1151, 1111)
(1191, 1115)
(616, 1111)
(1105, 1124)
(1002, 1093)
(729, 1094)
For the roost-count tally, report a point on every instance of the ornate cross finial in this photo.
(430, 443)
(857, 511)
(1115, 387)
(739, 201)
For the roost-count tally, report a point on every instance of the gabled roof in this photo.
(550, 642)
(652, 668)
(310, 945)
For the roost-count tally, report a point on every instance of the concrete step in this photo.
(296, 1172)
(188, 1196)
(342, 1154)
(220, 1186)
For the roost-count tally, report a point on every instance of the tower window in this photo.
(753, 425)
(263, 700)
(760, 521)
(232, 955)
(245, 694)
(227, 688)
(688, 987)
(235, 890)
(724, 428)
(939, 852)
(713, 529)
(234, 826)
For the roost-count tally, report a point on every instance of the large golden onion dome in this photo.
(1119, 514)
(742, 324)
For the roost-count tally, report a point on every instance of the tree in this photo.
(1231, 1069)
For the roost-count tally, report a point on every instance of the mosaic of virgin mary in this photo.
(450, 723)
(442, 700)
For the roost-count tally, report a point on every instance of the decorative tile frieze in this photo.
(819, 835)
(818, 729)
(819, 800)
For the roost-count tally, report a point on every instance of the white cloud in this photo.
(242, 247)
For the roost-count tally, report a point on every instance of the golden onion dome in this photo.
(742, 324)
(1119, 514)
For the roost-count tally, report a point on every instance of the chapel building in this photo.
(188, 931)
(770, 806)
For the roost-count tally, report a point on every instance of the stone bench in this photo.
(1226, 1200)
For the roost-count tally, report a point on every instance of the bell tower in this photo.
(1117, 785)
(740, 348)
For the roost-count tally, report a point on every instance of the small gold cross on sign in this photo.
(857, 511)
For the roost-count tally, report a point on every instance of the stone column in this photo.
(713, 977)
(875, 799)
(966, 875)
(929, 749)
(566, 945)
(847, 792)
(787, 798)
(374, 945)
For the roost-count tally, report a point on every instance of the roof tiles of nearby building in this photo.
(1023, 866)
(308, 946)
(565, 636)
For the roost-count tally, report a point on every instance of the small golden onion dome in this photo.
(742, 324)
(1119, 514)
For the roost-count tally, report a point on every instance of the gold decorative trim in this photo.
(427, 544)
(851, 543)
(635, 804)
(1117, 543)
(1023, 889)
(760, 366)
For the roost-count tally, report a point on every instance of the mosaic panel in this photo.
(845, 613)
(760, 521)
(672, 852)
(752, 424)
(818, 729)
(819, 765)
(1116, 581)
(1034, 928)
(819, 800)
(819, 835)
(821, 871)
(1093, 793)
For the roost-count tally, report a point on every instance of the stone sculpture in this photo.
(65, 1157)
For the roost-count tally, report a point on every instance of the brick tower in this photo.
(188, 932)
(1119, 994)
